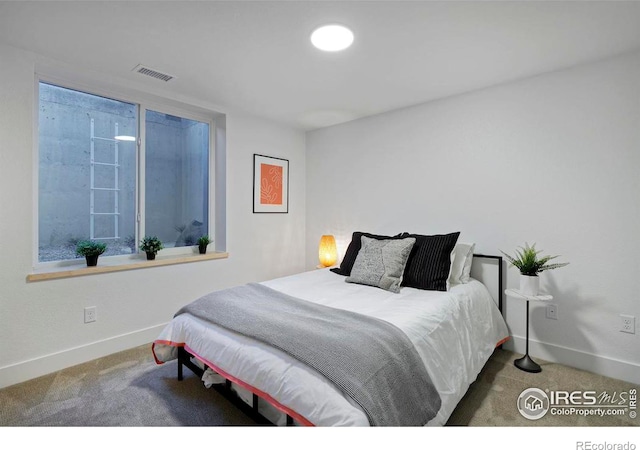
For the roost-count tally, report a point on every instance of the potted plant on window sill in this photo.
(530, 265)
(203, 241)
(151, 245)
(90, 250)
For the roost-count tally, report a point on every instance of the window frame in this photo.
(144, 102)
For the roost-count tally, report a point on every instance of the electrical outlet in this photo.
(90, 314)
(552, 312)
(627, 324)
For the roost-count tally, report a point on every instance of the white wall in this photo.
(552, 160)
(41, 323)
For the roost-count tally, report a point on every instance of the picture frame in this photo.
(270, 184)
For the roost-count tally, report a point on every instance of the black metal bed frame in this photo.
(185, 359)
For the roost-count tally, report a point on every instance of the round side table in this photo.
(526, 363)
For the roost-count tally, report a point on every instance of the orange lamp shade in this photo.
(327, 251)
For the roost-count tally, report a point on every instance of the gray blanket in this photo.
(368, 359)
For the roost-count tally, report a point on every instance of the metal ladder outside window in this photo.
(116, 167)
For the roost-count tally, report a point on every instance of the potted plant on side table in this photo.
(530, 265)
(203, 241)
(90, 250)
(151, 245)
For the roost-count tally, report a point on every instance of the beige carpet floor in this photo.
(128, 389)
(491, 399)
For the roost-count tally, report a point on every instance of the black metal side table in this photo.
(526, 363)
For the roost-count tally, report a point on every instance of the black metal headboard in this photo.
(500, 289)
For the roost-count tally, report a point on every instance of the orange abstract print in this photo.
(270, 184)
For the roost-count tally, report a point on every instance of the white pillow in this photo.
(461, 259)
(466, 270)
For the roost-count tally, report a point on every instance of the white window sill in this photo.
(104, 266)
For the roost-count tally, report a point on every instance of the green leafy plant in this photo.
(529, 262)
(204, 240)
(151, 244)
(90, 248)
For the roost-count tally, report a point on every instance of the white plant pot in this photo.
(529, 285)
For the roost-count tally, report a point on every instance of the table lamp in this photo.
(327, 251)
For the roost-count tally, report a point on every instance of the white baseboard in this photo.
(609, 367)
(33, 368)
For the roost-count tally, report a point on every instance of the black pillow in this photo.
(352, 251)
(430, 261)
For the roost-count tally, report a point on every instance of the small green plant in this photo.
(529, 263)
(151, 244)
(204, 240)
(90, 248)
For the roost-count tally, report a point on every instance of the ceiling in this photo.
(257, 57)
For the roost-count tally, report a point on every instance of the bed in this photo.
(454, 332)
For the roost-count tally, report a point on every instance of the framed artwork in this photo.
(270, 184)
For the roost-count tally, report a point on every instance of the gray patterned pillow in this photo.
(381, 263)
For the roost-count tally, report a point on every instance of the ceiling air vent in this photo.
(152, 73)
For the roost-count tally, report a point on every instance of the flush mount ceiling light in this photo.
(332, 38)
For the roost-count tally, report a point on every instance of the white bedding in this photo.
(454, 332)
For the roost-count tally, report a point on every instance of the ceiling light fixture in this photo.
(332, 38)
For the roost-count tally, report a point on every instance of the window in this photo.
(176, 175)
(95, 180)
